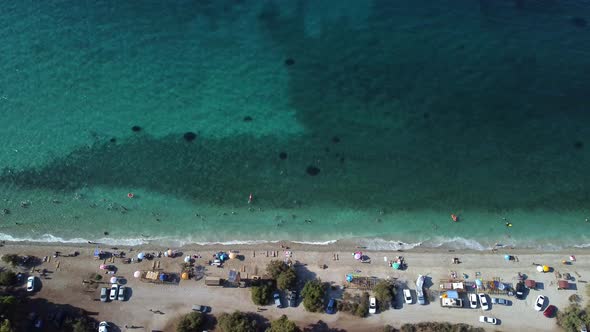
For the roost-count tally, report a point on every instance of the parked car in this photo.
(498, 300)
(583, 328)
(293, 298)
(38, 323)
(473, 301)
(114, 291)
(489, 320)
(121, 295)
(408, 296)
(421, 299)
(31, 284)
(331, 308)
(201, 308)
(520, 288)
(104, 294)
(483, 301)
(372, 305)
(277, 297)
(550, 311)
(103, 327)
(539, 303)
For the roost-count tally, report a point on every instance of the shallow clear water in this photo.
(410, 110)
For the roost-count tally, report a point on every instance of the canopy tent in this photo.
(140, 256)
(563, 284)
(530, 283)
(137, 274)
(113, 280)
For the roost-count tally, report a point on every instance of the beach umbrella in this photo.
(507, 257)
(103, 267)
(501, 286)
(545, 268)
(187, 259)
(170, 253)
(358, 255)
(349, 277)
(478, 282)
(233, 255)
(395, 266)
(162, 277)
(184, 276)
(572, 258)
(140, 256)
(113, 280)
(137, 274)
(539, 268)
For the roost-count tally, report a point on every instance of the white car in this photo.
(114, 292)
(103, 327)
(30, 284)
(473, 301)
(408, 296)
(121, 295)
(539, 303)
(483, 301)
(372, 305)
(489, 320)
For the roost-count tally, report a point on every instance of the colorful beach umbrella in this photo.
(137, 274)
(349, 277)
(507, 257)
(103, 267)
(545, 268)
(358, 255)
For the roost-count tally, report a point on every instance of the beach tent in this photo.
(113, 280)
(546, 268)
(349, 277)
(184, 276)
(137, 274)
(395, 266)
(140, 256)
(187, 259)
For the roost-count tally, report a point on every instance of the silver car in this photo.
(114, 292)
(121, 295)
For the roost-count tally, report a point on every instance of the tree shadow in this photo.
(321, 326)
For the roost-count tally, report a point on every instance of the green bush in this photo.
(439, 327)
(275, 268)
(192, 322)
(236, 322)
(287, 279)
(12, 259)
(283, 324)
(384, 293)
(572, 317)
(5, 326)
(7, 278)
(313, 295)
(261, 294)
(363, 308)
(82, 325)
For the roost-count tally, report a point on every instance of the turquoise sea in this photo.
(371, 121)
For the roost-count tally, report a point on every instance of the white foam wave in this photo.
(321, 243)
(382, 244)
(49, 238)
(455, 243)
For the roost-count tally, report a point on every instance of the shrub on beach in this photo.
(439, 327)
(192, 322)
(384, 293)
(261, 294)
(81, 325)
(7, 278)
(287, 279)
(313, 294)
(572, 317)
(275, 268)
(357, 305)
(5, 326)
(12, 259)
(236, 322)
(283, 324)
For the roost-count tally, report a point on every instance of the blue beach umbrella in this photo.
(507, 257)
(349, 277)
(395, 266)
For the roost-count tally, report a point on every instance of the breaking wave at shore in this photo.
(373, 244)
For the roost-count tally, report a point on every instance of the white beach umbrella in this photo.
(137, 274)
(141, 255)
(187, 259)
(539, 268)
(113, 280)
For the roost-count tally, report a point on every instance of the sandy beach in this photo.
(64, 285)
